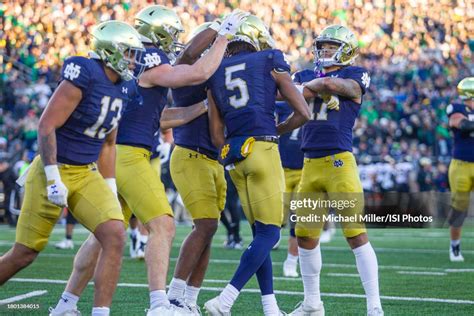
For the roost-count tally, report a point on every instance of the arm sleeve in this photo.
(454, 108)
(280, 64)
(154, 57)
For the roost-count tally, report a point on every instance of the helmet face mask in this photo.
(119, 46)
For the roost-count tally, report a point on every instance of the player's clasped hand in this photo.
(333, 102)
(232, 22)
(57, 191)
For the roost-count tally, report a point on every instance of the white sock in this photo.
(228, 297)
(270, 306)
(134, 232)
(67, 301)
(292, 260)
(310, 266)
(191, 294)
(100, 311)
(176, 289)
(455, 243)
(367, 265)
(158, 298)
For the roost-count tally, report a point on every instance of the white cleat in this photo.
(455, 254)
(182, 308)
(303, 310)
(162, 311)
(195, 310)
(213, 308)
(65, 244)
(376, 311)
(289, 270)
(69, 312)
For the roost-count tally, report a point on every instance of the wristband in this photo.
(52, 172)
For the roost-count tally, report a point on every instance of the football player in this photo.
(241, 99)
(461, 169)
(199, 179)
(329, 165)
(78, 129)
(137, 182)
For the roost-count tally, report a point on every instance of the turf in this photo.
(444, 288)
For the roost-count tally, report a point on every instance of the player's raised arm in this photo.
(186, 75)
(295, 99)
(199, 43)
(216, 123)
(174, 117)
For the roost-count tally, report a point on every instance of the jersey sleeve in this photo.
(76, 71)
(360, 75)
(154, 57)
(454, 108)
(297, 77)
(280, 64)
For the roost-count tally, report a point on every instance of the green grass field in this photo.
(416, 277)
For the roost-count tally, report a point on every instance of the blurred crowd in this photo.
(416, 52)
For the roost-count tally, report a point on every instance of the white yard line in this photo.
(421, 273)
(22, 297)
(296, 293)
(325, 248)
(277, 263)
(352, 275)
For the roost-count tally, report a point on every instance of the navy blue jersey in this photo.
(463, 141)
(244, 91)
(194, 135)
(141, 121)
(329, 131)
(80, 139)
(290, 143)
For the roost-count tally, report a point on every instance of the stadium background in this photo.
(417, 51)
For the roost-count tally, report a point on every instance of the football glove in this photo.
(57, 191)
(232, 22)
(332, 102)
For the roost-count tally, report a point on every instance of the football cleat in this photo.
(455, 254)
(290, 270)
(376, 311)
(69, 312)
(162, 311)
(303, 310)
(182, 308)
(65, 244)
(213, 308)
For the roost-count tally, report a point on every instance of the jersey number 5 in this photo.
(116, 106)
(236, 83)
